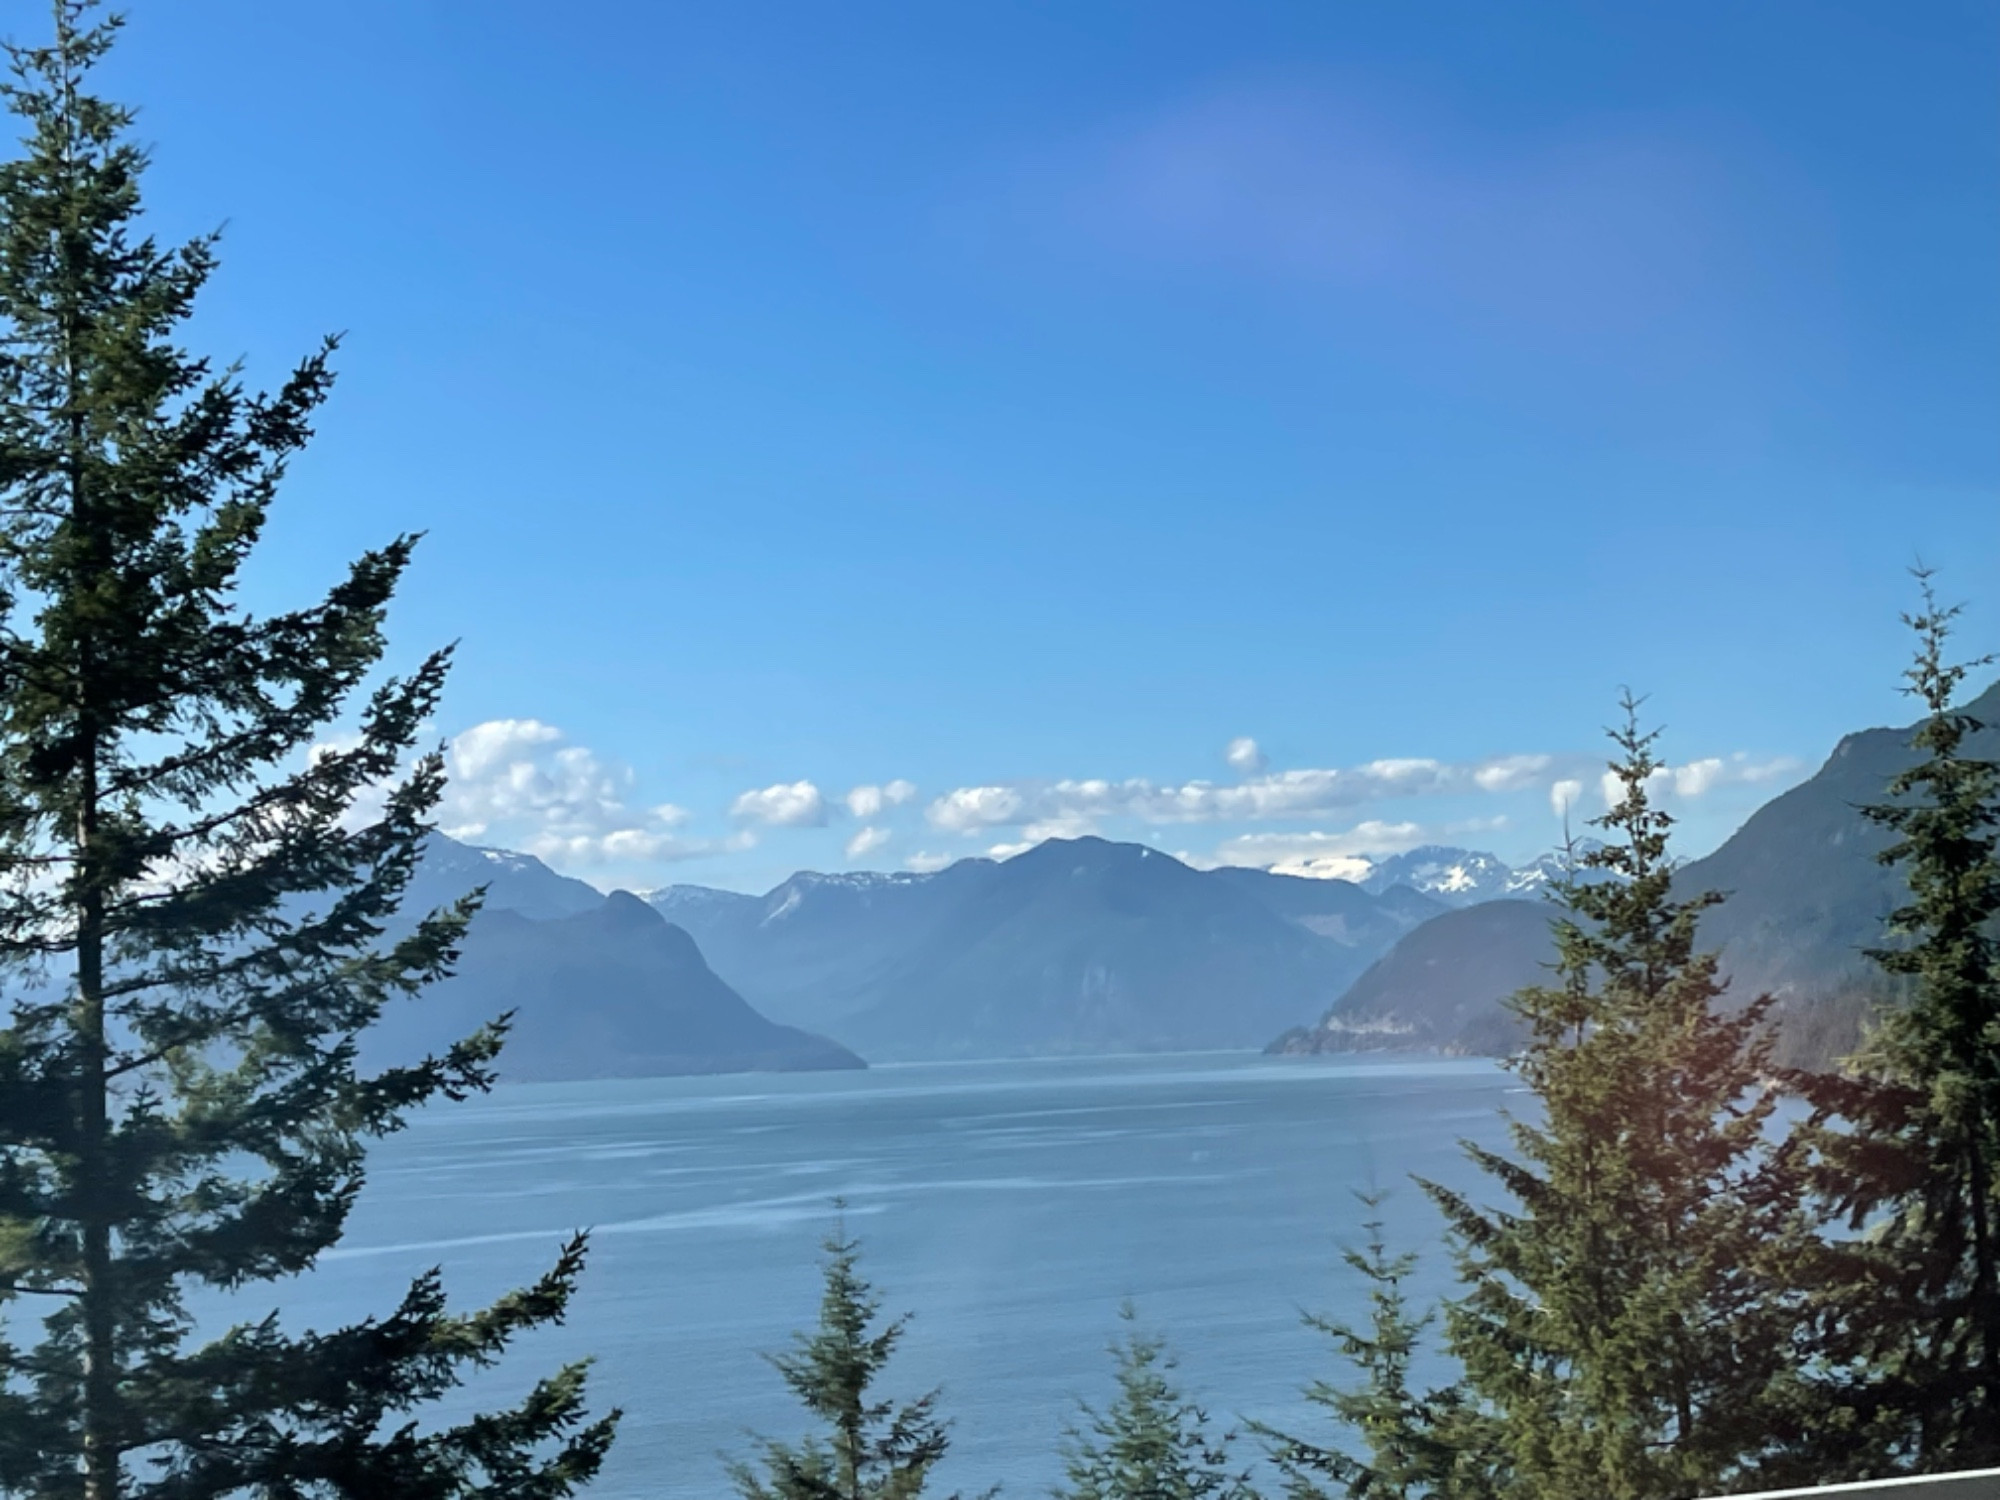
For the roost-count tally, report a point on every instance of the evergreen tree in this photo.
(193, 910)
(1904, 1145)
(1626, 1324)
(1152, 1444)
(873, 1449)
(1404, 1444)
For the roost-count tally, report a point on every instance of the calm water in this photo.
(1009, 1206)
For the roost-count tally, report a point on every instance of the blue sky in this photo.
(1019, 404)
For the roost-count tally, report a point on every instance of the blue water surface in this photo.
(1010, 1207)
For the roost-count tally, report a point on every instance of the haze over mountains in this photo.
(614, 991)
(1077, 945)
(1806, 894)
(1084, 945)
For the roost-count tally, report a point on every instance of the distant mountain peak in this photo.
(1555, 867)
(514, 882)
(623, 909)
(600, 985)
(1467, 877)
(1457, 877)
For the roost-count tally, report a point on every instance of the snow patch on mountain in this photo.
(1466, 877)
(1458, 877)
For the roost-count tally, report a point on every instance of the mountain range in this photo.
(1461, 877)
(1085, 945)
(1805, 893)
(1078, 945)
(1075, 945)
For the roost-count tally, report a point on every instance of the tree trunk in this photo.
(99, 1299)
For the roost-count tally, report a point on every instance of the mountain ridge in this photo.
(1799, 939)
(884, 962)
(614, 991)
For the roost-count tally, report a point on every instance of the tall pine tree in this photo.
(1625, 1324)
(1904, 1144)
(193, 912)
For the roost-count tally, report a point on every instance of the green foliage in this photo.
(1152, 1444)
(195, 909)
(872, 1449)
(1411, 1445)
(1627, 1325)
(1905, 1146)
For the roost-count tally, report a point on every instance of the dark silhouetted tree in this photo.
(195, 912)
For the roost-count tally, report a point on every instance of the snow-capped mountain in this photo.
(1466, 877)
(1552, 868)
(1457, 877)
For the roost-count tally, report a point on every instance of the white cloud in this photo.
(1062, 809)
(1345, 854)
(794, 804)
(631, 846)
(1063, 826)
(926, 864)
(498, 743)
(866, 841)
(1008, 851)
(1373, 837)
(975, 807)
(868, 801)
(1757, 772)
(1511, 773)
(1266, 796)
(1243, 755)
(1563, 795)
(517, 781)
(1697, 778)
